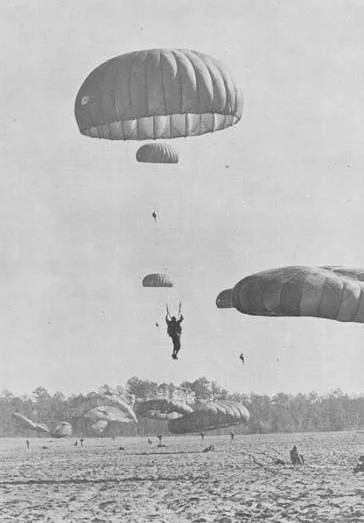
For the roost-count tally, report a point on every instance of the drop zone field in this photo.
(238, 481)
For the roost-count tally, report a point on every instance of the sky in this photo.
(76, 231)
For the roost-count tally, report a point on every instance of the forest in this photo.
(282, 412)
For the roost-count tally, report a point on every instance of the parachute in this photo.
(157, 93)
(109, 414)
(225, 299)
(112, 400)
(335, 293)
(357, 274)
(161, 408)
(62, 430)
(211, 415)
(29, 424)
(157, 153)
(157, 280)
(99, 426)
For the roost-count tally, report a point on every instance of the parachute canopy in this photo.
(29, 424)
(157, 153)
(62, 430)
(109, 414)
(335, 293)
(209, 416)
(225, 299)
(357, 274)
(157, 280)
(161, 408)
(157, 93)
(110, 399)
(99, 426)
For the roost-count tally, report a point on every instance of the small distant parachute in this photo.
(211, 415)
(99, 426)
(157, 280)
(157, 153)
(29, 424)
(108, 413)
(62, 430)
(335, 293)
(157, 94)
(161, 408)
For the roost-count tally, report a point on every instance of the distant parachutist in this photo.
(154, 215)
(242, 358)
(174, 330)
(156, 324)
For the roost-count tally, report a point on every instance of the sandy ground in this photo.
(179, 483)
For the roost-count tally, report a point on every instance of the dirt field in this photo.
(178, 483)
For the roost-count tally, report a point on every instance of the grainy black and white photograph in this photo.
(182, 261)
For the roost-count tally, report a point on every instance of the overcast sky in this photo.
(76, 232)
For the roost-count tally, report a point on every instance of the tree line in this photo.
(280, 413)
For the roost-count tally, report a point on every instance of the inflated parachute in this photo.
(99, 426)
(29, 424)
(112, 400)
(157, 280)
(335, 293)
(62, 430)
(209, 416)
(157, 93)
(110, 414)
(161, 408)
(357, 274)
(157, 153)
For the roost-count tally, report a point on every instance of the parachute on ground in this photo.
(225, 299)
(109, 414)
(156, 94)
(211, 415)
(112, 400)
(29, 424)
(357, 274)
(335, 293)
(157, 280)
(62, 430)
(99, 426)
(162, 408)
(157, 153)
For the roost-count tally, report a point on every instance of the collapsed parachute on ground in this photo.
(157, 153)
(157, 280)
(335, 293)
(62, 430)
(110, 414)
(157, 93)
(29, 424)
(161, 408)
(209, 416)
